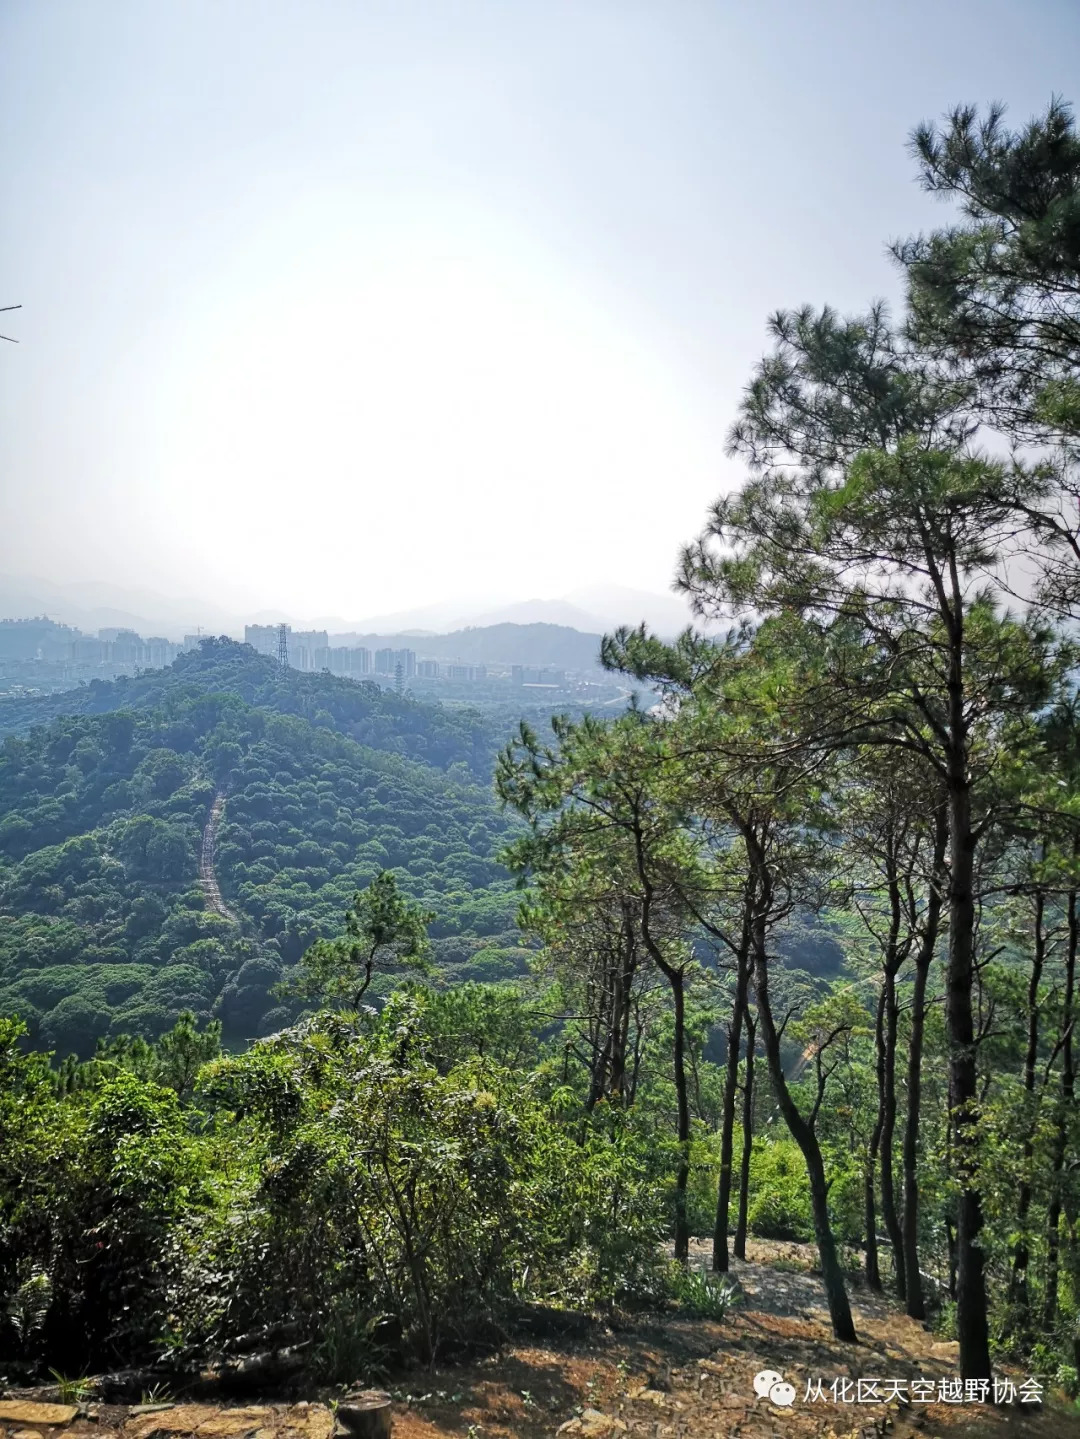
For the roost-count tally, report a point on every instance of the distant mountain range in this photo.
(94, 605)
(592, 611)
(509, 644)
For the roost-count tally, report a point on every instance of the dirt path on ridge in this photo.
(207, 878)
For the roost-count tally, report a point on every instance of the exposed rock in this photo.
(24, 1411)
(312, 1420)
(234, 1422)
(591, 1424)
(650, 1396)
(179, 1419)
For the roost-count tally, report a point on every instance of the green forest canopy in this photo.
(103, 925)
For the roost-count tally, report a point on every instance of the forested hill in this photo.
(104, 926)
(363, 712)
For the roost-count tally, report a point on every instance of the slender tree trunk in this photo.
(972, 1322)
(620, 1027)
(1019, 1299)
(888, 1130)
(639, 1045)
(950, 1240)
(802, 1132)
(873, 1269)
(739, 1247)
(731, 1089)
(677, 981)
(972, 1327)
(916, 1304)
(604, 1024)
(1066, 1102)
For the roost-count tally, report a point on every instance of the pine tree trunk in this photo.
(682, 1219)
(1019, 1299)
(620, 1029)
(972, 1326)
(801, 1131)
(676, 979)
(731, 1090)
(873, 1268)
(888, 1130)
(739, 1247)
(1066, 1101)
(916, 1304)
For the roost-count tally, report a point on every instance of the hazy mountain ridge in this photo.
(93, 605)
(505, 643)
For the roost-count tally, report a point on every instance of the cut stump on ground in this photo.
(366, 1415)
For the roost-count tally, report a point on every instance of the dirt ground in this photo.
(679, 1379)
(692, 1377)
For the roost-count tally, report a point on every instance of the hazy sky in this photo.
(346, 307)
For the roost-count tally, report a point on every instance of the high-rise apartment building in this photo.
(354, 663)
(307, 648)
(387, 661)
(262, 638)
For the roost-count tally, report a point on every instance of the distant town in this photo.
(312, 650)
(41, 655)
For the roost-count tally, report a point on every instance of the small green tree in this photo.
(184, 1050)
(382, 926)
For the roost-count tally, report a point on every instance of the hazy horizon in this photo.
(352, 310)
(93, 605)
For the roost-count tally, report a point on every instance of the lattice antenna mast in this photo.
(283, 646)
(3, 310)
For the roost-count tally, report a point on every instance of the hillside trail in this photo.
(208, 882)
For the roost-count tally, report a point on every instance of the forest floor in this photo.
(679, 1378)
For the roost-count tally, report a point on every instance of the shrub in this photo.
(779, 1206)
(382, 1186)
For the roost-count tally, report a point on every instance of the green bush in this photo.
(93, 1187)
(779, 1201)
(382, 1185)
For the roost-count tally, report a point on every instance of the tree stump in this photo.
(366, 1415)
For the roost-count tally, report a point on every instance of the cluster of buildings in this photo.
(39, 655)
(125, 650)
(312, 650)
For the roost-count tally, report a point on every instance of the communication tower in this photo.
(283, 646)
